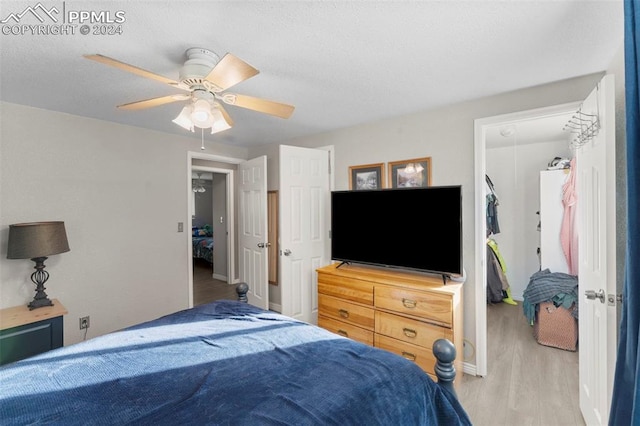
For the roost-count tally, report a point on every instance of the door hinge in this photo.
(613, 298)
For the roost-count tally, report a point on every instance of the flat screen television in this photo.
(408, 228)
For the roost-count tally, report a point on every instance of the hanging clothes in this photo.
(496, 279)
(568, 229)
(492, 208)
(494, 246)
(506, 292)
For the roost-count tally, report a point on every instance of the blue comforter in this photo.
(224, 363)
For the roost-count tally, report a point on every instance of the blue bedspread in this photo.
(224, 363)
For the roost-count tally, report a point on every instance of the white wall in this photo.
(515, 173)
(446, 135)
(121, 191)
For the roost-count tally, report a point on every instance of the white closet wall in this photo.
(551, 214)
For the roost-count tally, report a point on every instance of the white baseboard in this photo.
(468, 368)
(220, 277)
(275, 307)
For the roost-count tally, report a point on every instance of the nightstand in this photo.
(24, 333)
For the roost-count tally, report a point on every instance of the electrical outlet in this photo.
(84, 323)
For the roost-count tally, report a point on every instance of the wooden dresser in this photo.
(400, 311)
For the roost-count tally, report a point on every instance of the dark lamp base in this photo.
(39, 303)
(39, 277)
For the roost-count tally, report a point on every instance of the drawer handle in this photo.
(409, 356)
(408, 303)
(343, 333)
(409, 332)
(344, 313)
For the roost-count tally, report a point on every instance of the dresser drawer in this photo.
(408, 330)
(421, 356)
(347, 330)
(345, 311)
(429, 305)
(346, 288)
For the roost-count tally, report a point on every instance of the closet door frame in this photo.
(480, 291)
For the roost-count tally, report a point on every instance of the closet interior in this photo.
(531, 243)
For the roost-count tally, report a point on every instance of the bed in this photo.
(202, 241)
(224, 363)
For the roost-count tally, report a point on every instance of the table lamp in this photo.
(36, 241)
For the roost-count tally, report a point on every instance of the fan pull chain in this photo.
(202, 133)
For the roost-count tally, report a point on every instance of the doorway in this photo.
(595, 184)
(522, 122)
(224, 170)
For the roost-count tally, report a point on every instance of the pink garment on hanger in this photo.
(568, 230)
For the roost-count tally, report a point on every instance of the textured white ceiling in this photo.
(341, 63)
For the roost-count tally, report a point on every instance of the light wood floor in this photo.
(527, 383)
(207, 289)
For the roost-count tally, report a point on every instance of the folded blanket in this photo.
(547, 286)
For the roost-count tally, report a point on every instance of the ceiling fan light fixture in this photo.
(201, 115)
(219, 123)
(198, 186)
(184, 119)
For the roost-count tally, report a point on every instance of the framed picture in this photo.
(410, 173)
(368, 176)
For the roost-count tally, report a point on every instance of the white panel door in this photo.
(252, 230)
(597, 251)
(304, 228)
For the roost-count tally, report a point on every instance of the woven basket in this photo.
(556, 327)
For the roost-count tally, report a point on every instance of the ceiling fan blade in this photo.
(230, 71)
(226, 115)
(132, 69)
(261, 105)
(148, 103)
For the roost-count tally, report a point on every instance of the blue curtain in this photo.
(625, 406)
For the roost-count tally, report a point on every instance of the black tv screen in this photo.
(409, 228)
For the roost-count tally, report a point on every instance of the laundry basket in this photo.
(556, 327)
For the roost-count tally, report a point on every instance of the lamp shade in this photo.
(220, 122)
(183, 119)
(36, 239)
(201, 115)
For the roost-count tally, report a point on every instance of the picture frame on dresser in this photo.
(367, 177)
(412, 173)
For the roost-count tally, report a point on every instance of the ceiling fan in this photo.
(206, 77)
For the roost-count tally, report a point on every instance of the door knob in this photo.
(263, 245)
(287, 252)
(592, 295)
